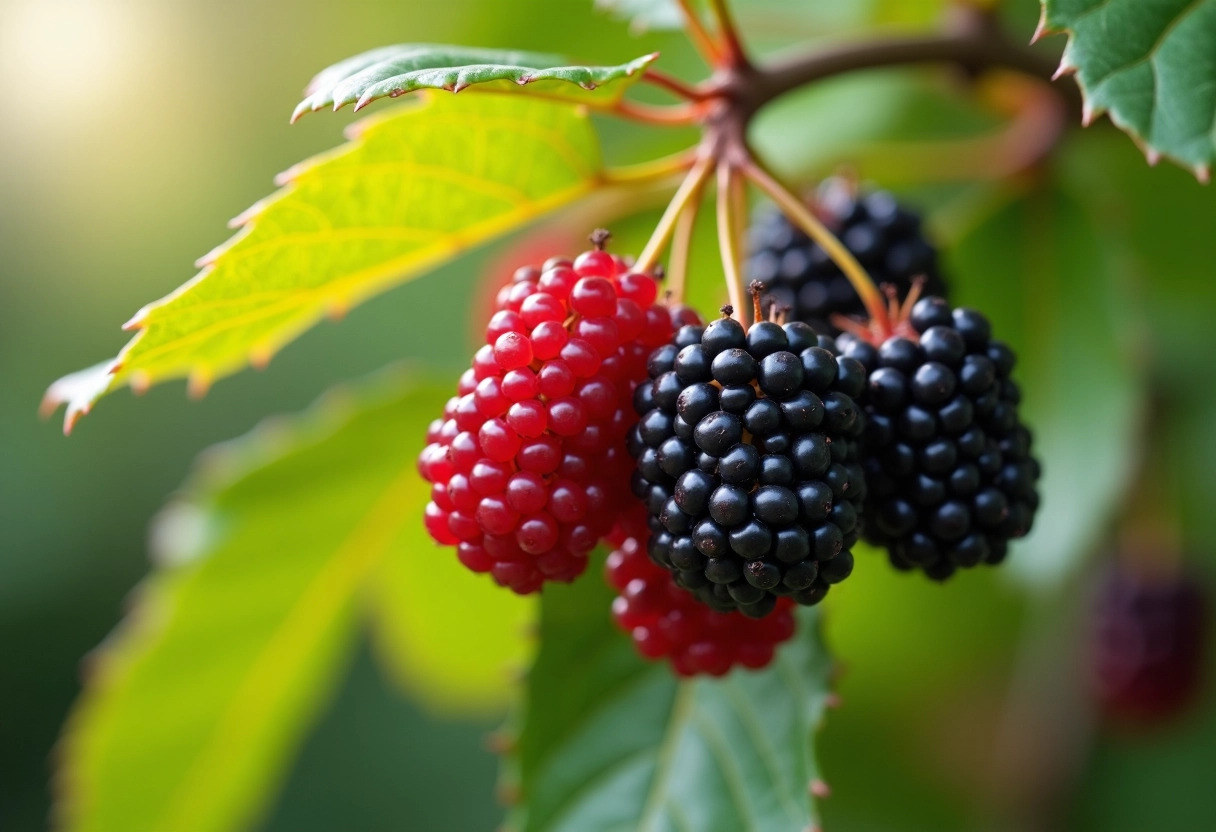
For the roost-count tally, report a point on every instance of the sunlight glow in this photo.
(65, 54)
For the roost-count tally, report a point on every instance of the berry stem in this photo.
(728, 239)
(652, 171)
(728, 35)
(668, 115)
(673, 85)
(681, 246)
(698, 34)
(684, 196)
(802, 217)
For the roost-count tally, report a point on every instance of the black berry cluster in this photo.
(886, 238)
(948, 466)
(749, 462)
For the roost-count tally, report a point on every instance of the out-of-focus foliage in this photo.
(607, 740)
(266, 559)
(1150, 65)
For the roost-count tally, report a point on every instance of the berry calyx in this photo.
(528, 464)
(748, 463)
(948, 462)
(884, 236)
(666, 622)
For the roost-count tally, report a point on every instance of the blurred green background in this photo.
(135, 128)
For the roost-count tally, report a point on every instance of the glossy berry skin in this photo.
(666, 622)
(528, 464)
(884, 236)
(1147, 645)
(948, 462)
(751, 476)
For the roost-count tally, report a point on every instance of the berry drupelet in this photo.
(528, 465)
(748, 463)
(948, 465)
(665, 621)
(885, 237)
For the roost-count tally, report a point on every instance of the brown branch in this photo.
(973, 42)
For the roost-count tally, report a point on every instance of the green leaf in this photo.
(610, 742)
(459, 649)
(194, 707)
(415, 187)
(1052, 284)
(391, 71)
(1151, 65)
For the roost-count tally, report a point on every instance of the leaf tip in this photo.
(70, 419)
(336, 308)
(1041, 29)
(198, 383)
(1089, 114)
(281, 180)
(246, 216)
(138, 321)
(1065, 68)
(140, 381)
(298, 113)
(259, 357)
(1203, 173)
(210, 257)
(819, 789)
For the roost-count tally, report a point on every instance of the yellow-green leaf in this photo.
(194, 707)
(414, 188)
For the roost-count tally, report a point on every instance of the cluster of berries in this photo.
(757, 457)
(796, 272)
(748, 462)
(527, 464)
(948, 465)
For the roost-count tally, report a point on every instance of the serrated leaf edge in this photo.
(1090, 114)
(454, 79)
(79, 391)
